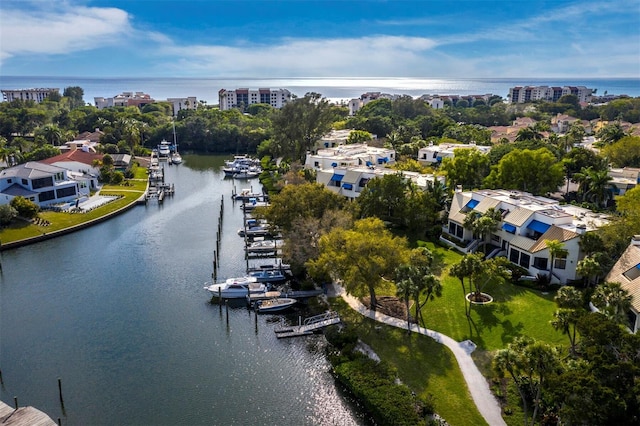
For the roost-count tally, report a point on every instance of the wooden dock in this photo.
(309, 326)
(23, 416)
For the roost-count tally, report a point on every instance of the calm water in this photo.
(333, 88)
(119, 313)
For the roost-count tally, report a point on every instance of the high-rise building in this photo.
(38, 95)
(242, 98)
(521, 94)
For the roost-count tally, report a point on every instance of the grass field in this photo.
(130, 191)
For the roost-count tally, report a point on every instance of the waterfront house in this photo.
(44, 184)
(122, 162)
(626, 271)
(81, 165)
(359, 154)
(349, 181)
(527, 221)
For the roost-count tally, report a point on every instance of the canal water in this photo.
(118, 312)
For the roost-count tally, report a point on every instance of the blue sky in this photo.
(212, 38)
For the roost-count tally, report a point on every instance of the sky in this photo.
(273, 39)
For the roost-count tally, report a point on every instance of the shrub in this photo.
(25, 208)
(7, 214)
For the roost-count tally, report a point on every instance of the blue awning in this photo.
(369, 163)
(538, 226)
(438, 159)
(336, 177)
(347, 186)
(334, 164)
(472, 203)
(638, 266)
(509, 227)
(383, 160)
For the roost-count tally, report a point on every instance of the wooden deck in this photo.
(309, 326)
(23, 416)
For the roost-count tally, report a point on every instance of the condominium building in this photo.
(527, 222)
(124, 99)
(522, 94)
(357, 103)
(242, 98)
(351, 155)
(37, 95)
(180, 104)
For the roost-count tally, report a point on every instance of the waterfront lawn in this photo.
(427, 367)
(129, 192)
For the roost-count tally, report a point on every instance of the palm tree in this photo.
(599, 187)
(565, 320)
(556, 249)
(528, 134)
(611, 133)
(53, 134)
(589, 268)
(483, 225)
(613, 301)
(406, 287)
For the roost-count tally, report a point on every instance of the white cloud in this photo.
(61, 31)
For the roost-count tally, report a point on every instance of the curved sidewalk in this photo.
(478, 386)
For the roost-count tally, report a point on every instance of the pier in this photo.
(309, 326)
(23, 416)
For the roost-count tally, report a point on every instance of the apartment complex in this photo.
(242, 98)
(357, 103)
(527, 221)
(522, 94)
(352, 155)
(124, 99)
(37, 95)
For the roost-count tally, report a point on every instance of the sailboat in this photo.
(175, 157)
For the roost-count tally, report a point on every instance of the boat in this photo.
(263, 246)
(268, 276)
(277, 304)
(176, 158)
(245, 174)
(236, 288)
(255, 231)
(253, 203)
(163, 149)
(246, 195)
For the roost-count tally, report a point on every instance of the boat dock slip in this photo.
(299, 295)
(309, 326)
(23, 416)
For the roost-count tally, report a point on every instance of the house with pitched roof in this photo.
(527, 221)
(44, 184)
(80, 164)
(626, 271)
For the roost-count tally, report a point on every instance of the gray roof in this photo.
(17, 190)
(31, 170)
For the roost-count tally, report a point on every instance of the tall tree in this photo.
(362, 258)
(300, 124)
(538, 172)
(613, 301)
(468, 168)
(590, 269)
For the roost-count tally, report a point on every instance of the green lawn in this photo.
(130, 191)
(427, 367)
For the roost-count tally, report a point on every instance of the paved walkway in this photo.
(478, 385)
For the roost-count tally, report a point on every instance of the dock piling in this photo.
(60, 390)
(15, 402)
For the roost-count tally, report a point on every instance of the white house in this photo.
(624, 179)
(527, 221)
(179, 104)
(435, 153)
(81, 165)
(350, 181)
(41, 183)
(626, 271)
(350, 155)
(357, 103)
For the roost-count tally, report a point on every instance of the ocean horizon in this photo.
(336, 89)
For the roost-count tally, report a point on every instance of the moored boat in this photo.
(268, 276)
(235, 288)
(277, 304)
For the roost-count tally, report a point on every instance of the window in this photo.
(540, 262)
(632, 273)
(514, 255)
(46, 196)
(66, 192)
(560, 263)
(42, 182)
(524, 260)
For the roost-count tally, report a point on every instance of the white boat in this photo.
(264, 246)
(245, 174)
(276, 304)
(235, 288)
(176, 158)
(253, 203)
(163, 149)
(255, 231)
(268, 276)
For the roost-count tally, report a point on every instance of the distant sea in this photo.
(335, 89)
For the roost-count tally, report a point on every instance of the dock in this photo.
(309, 326)
(23, 416)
